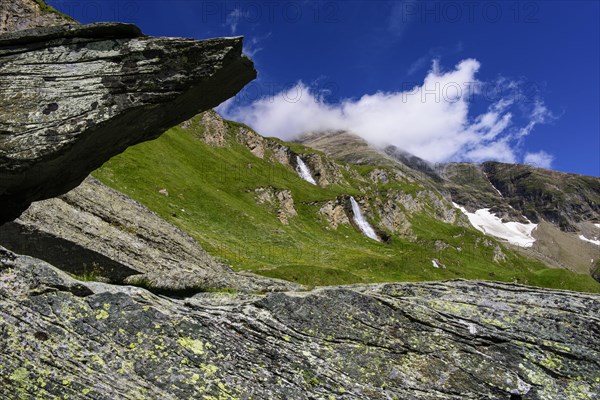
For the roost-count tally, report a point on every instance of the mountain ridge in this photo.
(405, 206)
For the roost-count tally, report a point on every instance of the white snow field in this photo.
(513, 232)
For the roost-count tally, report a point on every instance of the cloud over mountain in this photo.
(433, 120)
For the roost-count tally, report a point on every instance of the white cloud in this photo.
(431, 120)
(540, 159)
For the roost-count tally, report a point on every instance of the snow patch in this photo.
(597, 225)
(361, 222)
(594, 241)
(513, 232)
(304, 172)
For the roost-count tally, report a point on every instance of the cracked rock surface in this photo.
(73, 96)
(443, 340)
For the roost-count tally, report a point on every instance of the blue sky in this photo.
(514, 81)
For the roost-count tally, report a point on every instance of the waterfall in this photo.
(360, 220)
(304, 171)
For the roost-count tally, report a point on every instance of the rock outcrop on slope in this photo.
(97, 232)
(17, 15)
(74, 96)
(216, 132)
(443, 340)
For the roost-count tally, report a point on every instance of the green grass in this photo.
(211, 196)
(88, 275)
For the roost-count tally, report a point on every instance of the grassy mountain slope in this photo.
(211, 194)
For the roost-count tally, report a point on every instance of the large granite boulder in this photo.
(60, 338)
(74, 96)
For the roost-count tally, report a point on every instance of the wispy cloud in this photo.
(539, 159)
(417, 65)
(431, 120)
(401, 15)
(233, 19)
(434, 53)
(253, 45)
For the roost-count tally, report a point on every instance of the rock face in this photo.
(324, 170)
(281, 201)
(214, 131)
(74, 96)
(444, 340)
(17, 15)
(560, 198)
(335, 212)
(97, 232)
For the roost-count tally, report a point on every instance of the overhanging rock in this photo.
(74, 96)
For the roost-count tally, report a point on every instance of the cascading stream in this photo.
(304, 171)
(361, 222)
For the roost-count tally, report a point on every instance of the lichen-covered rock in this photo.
(97, 232)
(74, 96)
(443, 340)
(17, 15)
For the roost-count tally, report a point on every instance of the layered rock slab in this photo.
(74, 96)
(442, 340)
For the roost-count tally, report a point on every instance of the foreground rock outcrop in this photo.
(97, 232)
(74, 96)
(444, 340)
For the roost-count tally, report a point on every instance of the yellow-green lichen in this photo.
(196, 346)
(19, 375)
(209, 369)
(101, 314)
